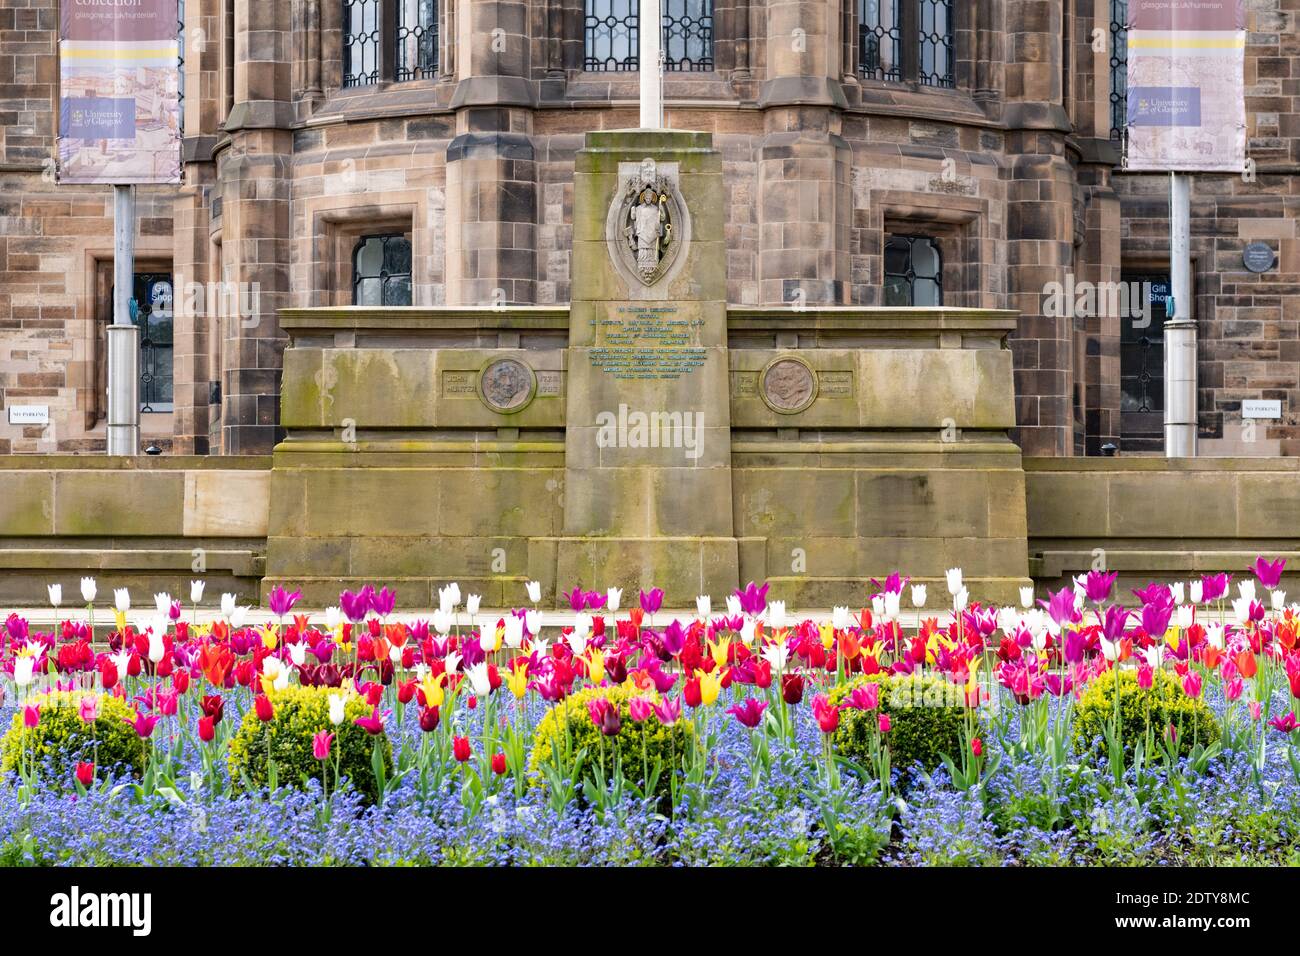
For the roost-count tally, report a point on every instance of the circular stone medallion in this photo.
(788, 385)
(506, 385)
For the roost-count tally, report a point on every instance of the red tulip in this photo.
(498, 763)
(828, 716)
(181, 680)
(691, 692)
(207, 729)
(792, 688)
(429, 719)
(264, 709)
(460, 749)
(213, 706)
(977, 747)
(85, 773)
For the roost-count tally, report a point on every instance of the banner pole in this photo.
(1180, 327)
(123, 432)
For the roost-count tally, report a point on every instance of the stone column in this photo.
(803, 161)
(491, 166)
(1040, 217)
(648, 434)
(256, 236)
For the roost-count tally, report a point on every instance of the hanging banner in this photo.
(1186, 85)
(119, 104)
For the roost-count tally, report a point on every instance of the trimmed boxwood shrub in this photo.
(660, 743)
(926, 716)
(299, 714)
(62, 739)
(1141, 710)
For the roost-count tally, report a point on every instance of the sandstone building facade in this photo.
(963, 153)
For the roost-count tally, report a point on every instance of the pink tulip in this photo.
(320, 745)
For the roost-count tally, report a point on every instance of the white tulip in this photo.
(445, 604)
(612, 597)
(918, 595)
(454, 588)
(534, 589)
(56, 594)
(776, 616)
(333, 618)
(1185, 616)
(298, 653)
(1176, 589)
(1241, 609)
(1110, 650)
(1279, 599)
(1155, 655)
(196, 591)
(841, 618)
(24, 668)
(733, 606)
(1027, 597)
(1214, 635)
(1246, 589)
(122, 600)
(514, 636)
(121, 660)
(88, 589)
(156, 648)
(271, 667)
(238, 616)
(442, 621)
(748, 628)
(337, 704)
(228, 604)
(703, 607)
(282, 680)
(878, 605)
(478, 678)
(892, 602)
(960, 600)
(488, 640)
(539, 646)
(472, 603)
(533, 621)
(777, 655)
(452, 660)
(163, 602)
(577, 639)
(1196, 591)
(954, 580)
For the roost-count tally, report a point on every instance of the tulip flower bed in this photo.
(984, 736)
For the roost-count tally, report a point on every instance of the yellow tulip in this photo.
(719, 651)
(828, 634)
(432, 687)
(517, 681)
(490, 640)
(596, 666)
(269, 637)
(121, 620)
(710, 686)
(268, 684)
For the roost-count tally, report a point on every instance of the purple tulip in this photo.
(355, 606)
(1074, 647)
(674, 638)
(383, 601)
(1155, 618)
(753, 599)
(282, 601)
(1098, 585)
(577, 599)
(1214, 586)
(1113, 624)
(1061, 607)
(652, 600)
(1154, 592)
(894, 584)
(749, 713)
(1268, 572)
(596, 600)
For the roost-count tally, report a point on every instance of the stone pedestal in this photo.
(647, 496)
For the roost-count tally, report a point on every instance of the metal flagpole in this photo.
(1180, 327)
(123, 336)
(650, 62)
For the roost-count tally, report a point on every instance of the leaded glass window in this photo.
(381, 271)
(1118, 68)
(907, 40)
(417, 39)
(880, 40)
(611, 35)
(361, 42)
(913, 271)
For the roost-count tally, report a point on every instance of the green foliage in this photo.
(61, 740)
(640, 746)
(285, 741)
(1142, 711)
(926, 715)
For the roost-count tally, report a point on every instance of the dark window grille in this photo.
(381, 270)
(880, 40)
(180, 65)
(913, 271)
(611, 35)
(1118, 69)
(937, 49)
(1142, 363)
(417, 39)
(361, 42)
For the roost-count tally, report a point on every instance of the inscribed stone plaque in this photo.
(788, 385)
